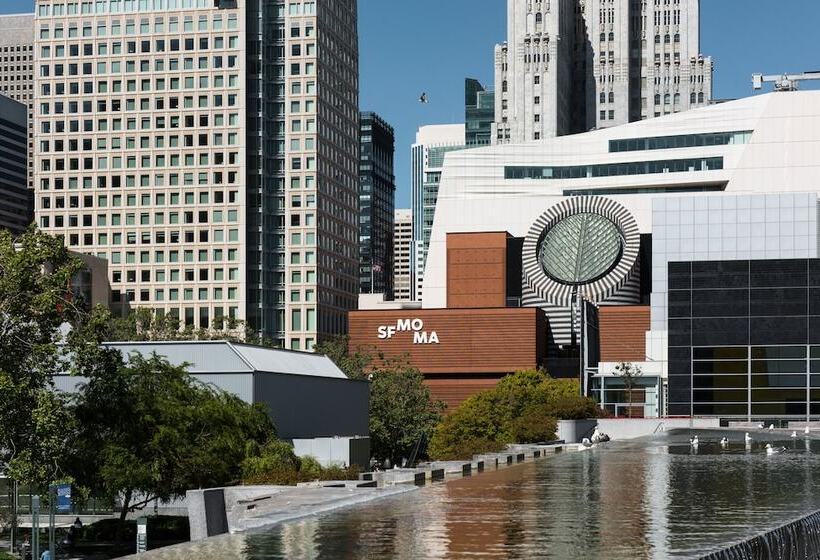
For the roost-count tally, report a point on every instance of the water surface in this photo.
(653, 498)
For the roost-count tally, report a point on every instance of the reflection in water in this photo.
(643, 499)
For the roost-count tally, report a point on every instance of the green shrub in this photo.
(340, 473)
(442, 449)
(276, 464)
(521, 408)
(275, 456)
(276, 476)
(535, 424)
(574, 407)
(310, 469)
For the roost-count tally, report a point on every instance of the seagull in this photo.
(761, 426)
(774, 450)
(423, 97)
(724, 441)
(694, 441)
(771, 426)
(747, 438)
(585, 444)
(806, 430)
(794, 434)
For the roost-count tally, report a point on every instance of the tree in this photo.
(148, 430)
(401, 411)
(629, 374)
(354, 364)
(36, 272)
(143, 323)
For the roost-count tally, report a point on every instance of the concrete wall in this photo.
(629, 428)
(330, 451)
(198, 517)
(573, 431)
(310, 407)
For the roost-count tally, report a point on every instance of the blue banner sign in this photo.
(63, 498)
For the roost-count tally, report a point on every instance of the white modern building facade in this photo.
(570, 66)
(433, 142)
(602, 214)
(208, 150)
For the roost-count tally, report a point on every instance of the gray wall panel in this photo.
(240, 384)
(308, 407)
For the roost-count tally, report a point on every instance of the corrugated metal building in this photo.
(306, 395)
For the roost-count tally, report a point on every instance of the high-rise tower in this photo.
(402, 255)
(17, 71)
(377, 194)
(646, 60)
(573, 65)
(208, 149)
(479, 113)
(533, 71)
(426, 162)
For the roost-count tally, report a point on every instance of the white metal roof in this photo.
(226, 357)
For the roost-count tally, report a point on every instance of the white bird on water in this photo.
(771, 426)
(724, 441)
(694, 441)
(761, 425)
(794, 434)
(747, 438)
(806, 430)
(585, 444)
(774, 450)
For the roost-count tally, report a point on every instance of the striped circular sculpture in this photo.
(585, 243)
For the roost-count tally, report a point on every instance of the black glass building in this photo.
(479, 113)
(15, 198)
(377, 193)
(744, 338)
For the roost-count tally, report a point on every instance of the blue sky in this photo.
(431, 45)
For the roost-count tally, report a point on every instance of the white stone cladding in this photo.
(533, 71)
(571, 66)
(646, 60)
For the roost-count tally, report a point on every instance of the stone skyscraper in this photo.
(208, 149)
(646, 60)
(534, 71)
(572, 65)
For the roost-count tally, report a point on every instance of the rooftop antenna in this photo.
(783, 82)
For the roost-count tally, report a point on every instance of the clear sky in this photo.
(407, 47)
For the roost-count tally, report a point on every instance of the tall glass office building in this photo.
(208, 150)
(479, 113)
(377, 194)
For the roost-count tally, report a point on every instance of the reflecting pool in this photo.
(649, 498)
